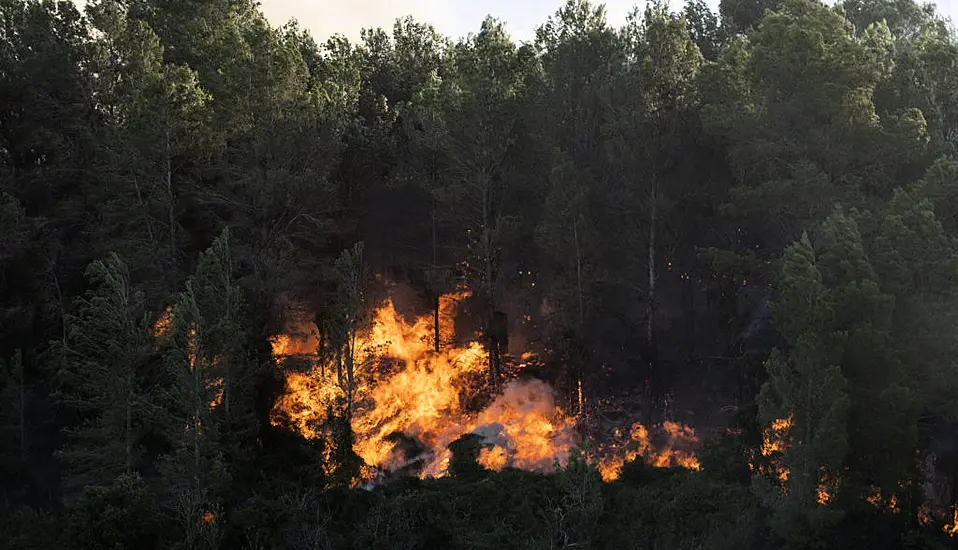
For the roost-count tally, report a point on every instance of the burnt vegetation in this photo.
(714, 255)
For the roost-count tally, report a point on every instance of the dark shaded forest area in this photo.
(744, 221)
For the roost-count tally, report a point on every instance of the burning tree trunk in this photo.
(435, 322)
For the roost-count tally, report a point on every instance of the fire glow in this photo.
(411, 402)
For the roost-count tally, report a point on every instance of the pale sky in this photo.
(455, 18)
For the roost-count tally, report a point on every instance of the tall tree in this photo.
(570, 105)
(153, 137)
(883, 409)
(100, 382)
(657, 99)
(807, 387)
(212, 401)
(802, 138)
(469, 116)
(350, 319)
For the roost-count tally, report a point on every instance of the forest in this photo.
(683, 284)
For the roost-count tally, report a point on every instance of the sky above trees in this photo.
(450, 17)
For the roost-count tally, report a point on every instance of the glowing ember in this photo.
(891, 504)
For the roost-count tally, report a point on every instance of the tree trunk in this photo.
(22, 404)
(436, 321)
(129, 427)
(488, 267)
(578, 271)
(652, 385)
(226, 359)
(198, 408)
(650, 333)
(578, 281)
(435, 276)
(171, 200)
(350, 366)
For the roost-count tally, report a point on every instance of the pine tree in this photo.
(349, 318)
(807, 386)
(154, 131)
(469, 121)
(883, 413)
(13, 422)
(212, 399)
(100, 382)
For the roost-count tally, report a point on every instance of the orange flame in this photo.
(163, 323)
(877, 500)
(676, 451)
(774, 442)
(952, 528)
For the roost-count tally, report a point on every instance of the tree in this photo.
(905, 18)
(916, 262)
(152, 139)
(212, 402)
(350, 317)
(100, 384)
(704, 28)
(468, 117)
(803, 138)
(656, 97)
(883, 407)
(745, 15)
(807, 387)
(569, 107)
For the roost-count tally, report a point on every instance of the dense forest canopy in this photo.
(688, 283)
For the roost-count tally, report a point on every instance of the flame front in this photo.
(405, 390)
(410, 402)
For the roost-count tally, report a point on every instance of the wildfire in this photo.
(827, 486)
(410, 402)
(408, 399)
(675, 451)
(774, 443)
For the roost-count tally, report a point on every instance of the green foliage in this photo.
(809, 387)
(123, 514)
(576, 516)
